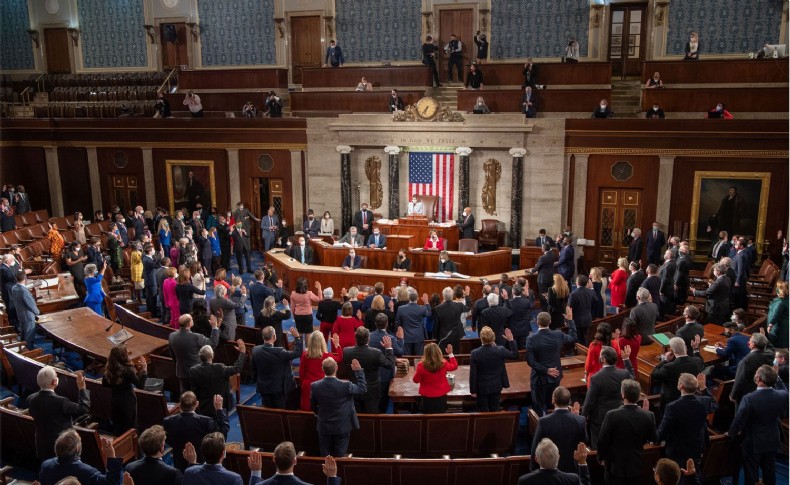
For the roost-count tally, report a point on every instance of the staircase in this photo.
(626, 97)
(447, 95)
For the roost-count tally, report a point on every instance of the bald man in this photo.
(466, 223)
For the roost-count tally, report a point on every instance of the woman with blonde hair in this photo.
(310, 369)
(346, 324)
(596, 280)
(170, 297)
(165, 236)
(376, 307)
(431, 375)
(270, 316)
(137, 271)
(617, 284)
(557, 301)
(778, 316)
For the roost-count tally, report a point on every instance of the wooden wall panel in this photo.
(509, 74)
(560, 100)
(75, 182)
(27, 166)
(718, 71)
(281, 169)
(349, 101)
(220, 158)
(703, 99)
(380, 76)
(134, 166)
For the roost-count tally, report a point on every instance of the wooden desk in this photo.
(56, 298)
(348, 101)
(380, 76)
(420, 230)
(548, 100)
(253, 79)
(718, 71)
(403, 389)
(481, 264)
(510, 74)
(528, 256)
(703, 99)
(83, 331)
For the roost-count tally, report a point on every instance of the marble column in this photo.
(298, 188)
(53, 177)
(665, 173)
(148, 174)
(394, 180)
(579, 192)
(345, 186)
(517, 195)
(463, 178)
(234, 180)
(93, 174)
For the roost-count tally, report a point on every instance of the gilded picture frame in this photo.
(178, 193)
(710, 191)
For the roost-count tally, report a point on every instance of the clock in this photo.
(427, 108)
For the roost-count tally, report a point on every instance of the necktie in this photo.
(271, 223)
(377, 240)
(716, 248)
(655, 235)
(364, 218)
(302, 251)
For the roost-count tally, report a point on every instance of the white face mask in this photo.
(603, 106)
(301, 243)
(655, 108)
(655, 228)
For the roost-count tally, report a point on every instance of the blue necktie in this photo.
(302, 251)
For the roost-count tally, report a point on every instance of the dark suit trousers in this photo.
(186, 385)
(414, 348)
(150, 301)
(488, 402)
(456, 60)
(429, 61)
(615, 480)
(752, 462)
(384, 398)
(541, 396)
(334, 444)
(433, 405)
(368, 403)
(276, 401)
(242, 253)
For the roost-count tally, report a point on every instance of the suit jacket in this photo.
(645, 315)
(150, 265)
(206, 474)
(688, 331)
(736, 350)
(296, 253)
(24, 304)
(368, 301)
(186, 428)
(653, 285)
(654, 245)
(539, 242)
(467, 227)
(211, 379)
(348, 263)
(266, 231)
(54, 414)
(545, 268)
(741, 266)
(684, 428)
(717, 297)
(332, 400)
(635, 249)
(668, 373)
(567, 265)
(240, 242)
(368, 220)
(358, 240)
(184, 347)
(498, 318)
(566, 430)
(747, 368)
(519, 321)
(758, 419)
(624, 433)
(7, 280)
(258, 292)
(487, 372)
(289, 480)
(411, 317)
(724, 250)
(581, 301)
(604, 392)
(682, 273)
(382, 241)
(447, 319)
(54, 470)
(555, 477)
(448, 265)
(372, 361)
(311, 228)
(22, 203)
(667, 274)
(154, 471)
(632, 284)
(543, 352)
(271, 367)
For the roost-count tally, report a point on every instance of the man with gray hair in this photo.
(645, 314)
(447, 326)
(684, 426)
(547, 455)
(603, 395)
(624, 433)
(761, 353)
(332, 401)
(717, 296)
(185, 345)
(222, 302)
(67, 463)
(635, 248)
(480, 305)
(673, 363)
(53, 414)
(411, 318)
(271, 368)
(209, 379)
(8, 272)
(497, 316)
(26, 309)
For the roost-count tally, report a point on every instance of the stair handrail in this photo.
(39, 83)
(167, 81)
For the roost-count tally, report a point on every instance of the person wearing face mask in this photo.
(720, 112)
(528, 103)
(466, 224)
(138, 222)
(445, 265)
(780, 364)
(736, 348)
(416, 207)
(352, 238)
(178, 226)
(655, 81)
(402, 262)
(717, 296)
(302, 252)
(75, 260)
(120, 225)
(363, 220)
(656, 113)
(223, 234)
(778, 316)
(655, 241)
(434, 242)
(327, 225)
(241, 247)
(377, 240)
(269, 226)
(395, 101)
(243, 215)
(480, 107)
(352, 261)
(311, 226)
(721, 248)
(603, 110)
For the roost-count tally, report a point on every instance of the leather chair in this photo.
(430, 203)
(490, 235)
(468, 245)
(363, 261)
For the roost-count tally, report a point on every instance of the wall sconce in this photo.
(330, 26)
(484, 18)
(149, 29)
(33, 34)
(596, 15)
(75, 36)
(661, 11)
(427, 16)
(280, 24)
(194, 29)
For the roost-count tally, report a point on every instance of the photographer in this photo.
(572, 51)
(249, 110)
(482, 46)
(429, 52)
(192, 101)
(274, 106)
(162, 107)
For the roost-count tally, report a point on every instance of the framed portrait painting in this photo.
(190, 182)
(736, 202)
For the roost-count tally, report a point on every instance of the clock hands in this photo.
(425, 110)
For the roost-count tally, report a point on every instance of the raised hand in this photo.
(645, 404)
(386, 342)
(399, 333)
(568, 313)
(355, 365)
(80, 380)
(240, 346)
(217, 402)
(695, 342)
(580, 454)
(576, 408)
(127, 479)
(255, 461)
(392, 305)
(425, 299)
(508, 335)
(107, 449)
(449, 349)
(504, 294)
(330, 466)
(335, 341)
(702, 382)
(190, 455)
(359, 314)
(294, 332)
(690, 469)
(625, 352)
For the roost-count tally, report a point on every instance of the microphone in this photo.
(108, 328)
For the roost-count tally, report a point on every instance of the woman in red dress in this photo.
(629, 337)
(310, 369)
(431, 375)
(603, 336)
(617, 283)
(346, 324)
(434, 242)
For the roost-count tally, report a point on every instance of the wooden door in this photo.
(461, 23)
(620, 212)
(305, 45)
(626, 39)
(56, 50)
(268, 192)
(124, 191)
(173, 39)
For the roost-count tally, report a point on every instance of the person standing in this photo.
(565, 427)
(447, 326)
(717, 296)
(372, 360)
(466, 224)
(487, 372)
(188, 427)
(482, 47)
(675, 362)
(411, 318)
(192, 101)
(431, 375)
(209, 379)
(544, 350)
(271, 367)
(581, 302)
(529, 103)
(334, 55)
(311, 361)
(185, 345)
(692, 48)
(748, 366)
(332, 401)
(269, 226)
(454, 50)
(26, 309)
(121, 376)
(67, 465)
(363, 221)
(684, 426)
(655, 241)
(241, 247)
(603, 393)
(632, 284)
(429, 52)
(566, 265)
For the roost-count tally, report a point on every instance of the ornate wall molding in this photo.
(679, 152)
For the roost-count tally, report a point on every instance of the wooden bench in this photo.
(467, 434)
(703, 99)
(348, 101)
(553, 73)
(547, 100)
(248, 78)
(379, 76)
(135, 322)
(736, 71)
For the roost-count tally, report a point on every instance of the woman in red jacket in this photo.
(431, 375)
(434, 242)
(346, 325)
(603, 336)
(310, 369)
(617, 284)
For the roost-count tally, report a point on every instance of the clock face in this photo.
(52, 6)
(427, 108)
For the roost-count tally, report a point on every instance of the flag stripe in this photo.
(432, 174)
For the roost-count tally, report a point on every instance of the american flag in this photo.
(432, 174)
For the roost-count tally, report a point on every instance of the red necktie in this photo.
(364, 218)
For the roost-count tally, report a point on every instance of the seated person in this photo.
(249, 110)
(572, 51)
(353, 238)
(402, 262)
(543, 239)
(445, 265)
(762, 53)
(692, 48)
(274, 106)
(720, 112)
(602, 111)
(530, 73)
(434, 242)
(364, 85)
(528, 102)
(377, 240)
(655, 81)
(416, 207)
(352, 261)
(474, 77)
(655, 113)
(480, 107)
(396, 102)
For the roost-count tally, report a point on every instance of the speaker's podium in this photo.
(418, 228)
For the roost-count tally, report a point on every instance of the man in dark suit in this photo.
(271, 368)
(496, 317)
(653, 285)
(311, 225)
(636, 246)
(644, 314)
(284, 458)
(258, 292)
(363, 221)
(190, 427)
(150, 265)
(604, 393)
(547, 455)
(377, 240)
(487, 372)
(270, 225)
(632, 284)
(378, 290)
(353, 238)
(741, 268)
(8, 271)
(682, 282)
(624, 433)
(691, 328)
(138, 223)
(410, 318)
(722, 247)
(480, 305)
(544, 350)
(564, 427)
(209, 379)
(466, 224)
(566, 265)
(684, 426)
(673, 363)
(667, 274)
(744, 375)
(543, 239)
(580, 301)
(332, 401)
(67, 463)
(545, 267)
(398, 347)
(351, 261)
(54, 414)
(734, 352)
(447, 326)
(151, 469)
(717, 296)
(212, 447)
(241, 247)
(521, 306)
(371, 360)
(185, 345)
(655, 241)
(757, 423)
(22, 202)
(302, 252)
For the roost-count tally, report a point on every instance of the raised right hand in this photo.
(80, 380)
(355, 365)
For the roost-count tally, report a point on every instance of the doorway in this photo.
(626, 39)
(56, 51)
(124, 193)
(305, 45)
(173, 39)
(268, 192)
(621, 211)
(461, 23)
